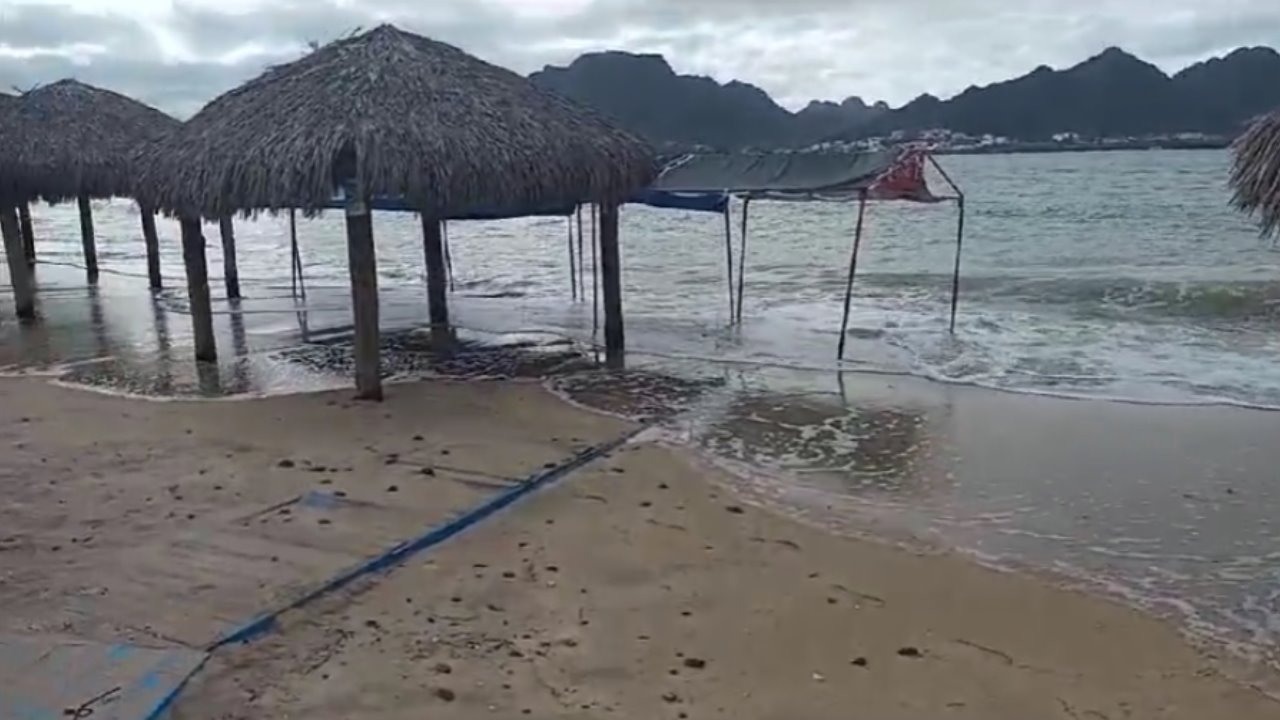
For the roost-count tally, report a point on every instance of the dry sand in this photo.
(165, 523)
(640, 587)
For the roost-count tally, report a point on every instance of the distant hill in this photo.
(643, 94)
(1113, 94)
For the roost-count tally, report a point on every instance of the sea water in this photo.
(1121, 274)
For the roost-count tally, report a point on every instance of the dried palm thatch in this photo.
(70, 139)
(402, 116)
(1255, 176)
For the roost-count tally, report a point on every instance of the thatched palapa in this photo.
(390, 114)
(70, 140)
(402, 116)
(1255, 176)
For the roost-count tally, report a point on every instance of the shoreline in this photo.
(647, 466)
(790, 492)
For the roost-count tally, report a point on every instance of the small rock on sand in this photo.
(670, 697)
(910, 652)
(286, 463)
(695, 663)
(443, 669)
(859, 662)
(446, 694)
(734, 509)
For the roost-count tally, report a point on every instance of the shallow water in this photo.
(1121, 275)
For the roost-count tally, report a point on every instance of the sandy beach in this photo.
(639, 586)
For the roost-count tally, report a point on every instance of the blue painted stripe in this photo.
(264, 622)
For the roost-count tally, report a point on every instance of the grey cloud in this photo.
(177, 88)
(796, 50)
(40, 26)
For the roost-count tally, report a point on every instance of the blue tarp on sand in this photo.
(44, 678)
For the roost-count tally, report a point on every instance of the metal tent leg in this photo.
(853, 270)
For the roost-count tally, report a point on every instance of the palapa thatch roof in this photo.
(1255, 177)
(68, 139)
(403, 115)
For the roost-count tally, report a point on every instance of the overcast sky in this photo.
(178, 54)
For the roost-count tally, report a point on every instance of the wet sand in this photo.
(641, 587)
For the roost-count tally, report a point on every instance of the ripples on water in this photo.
(1111, 275)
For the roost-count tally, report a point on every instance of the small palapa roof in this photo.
(1255, 175)
(397, 116)
(67, 139)
(696, 181)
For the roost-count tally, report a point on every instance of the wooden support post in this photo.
(611, 272)
(198, 289)
(86, 239)
(582, 260)
(448, 255)
(363, 265)
(573, 271)
(437, 276)
(28, 232)
(231, 273)
(152, 242)
(296, 261)
(595, 271)
(24, 296)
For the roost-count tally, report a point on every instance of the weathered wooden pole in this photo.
(298, 282)
(86, 239)
(232, 274)
(448, 256)
(595, 271)
(198, 289)
(153, 246)
(362, 264)
(24, 297)
(611, 272)
(28, 232)
(573, 271)
(437, 276)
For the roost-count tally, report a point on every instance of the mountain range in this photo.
(1113, 94)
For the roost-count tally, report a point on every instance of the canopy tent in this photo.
(706, 182)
